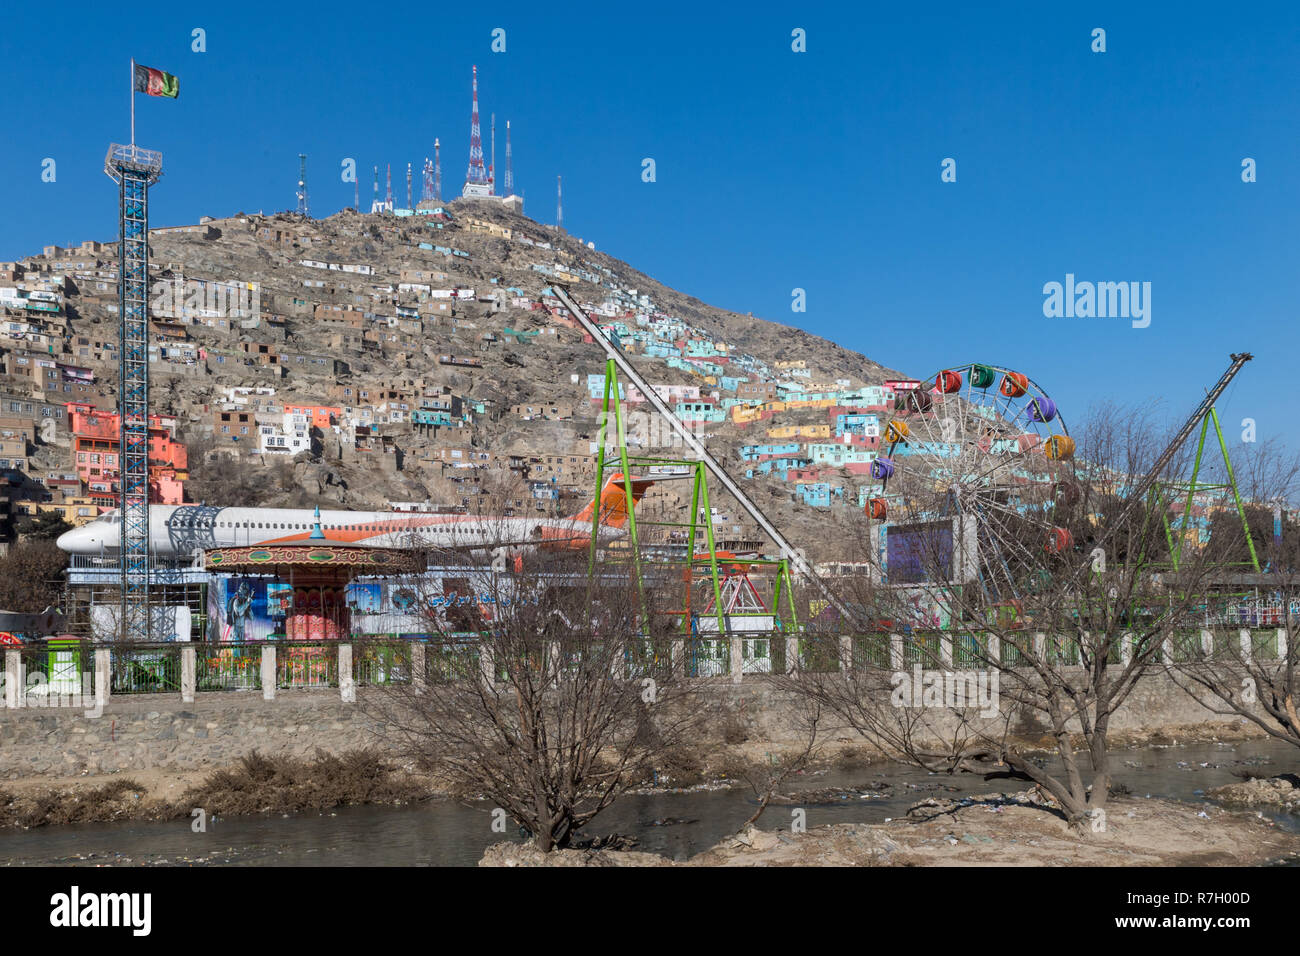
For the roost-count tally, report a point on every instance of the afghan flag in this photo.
(156, 82)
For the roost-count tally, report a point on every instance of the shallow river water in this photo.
(679, 824)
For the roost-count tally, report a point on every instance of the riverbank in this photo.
(998, 829)
(256, 784)
(286, 783)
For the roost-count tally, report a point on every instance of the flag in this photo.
(156, 82)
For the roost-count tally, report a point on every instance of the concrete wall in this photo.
(147, 731)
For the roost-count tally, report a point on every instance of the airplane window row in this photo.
(281, 526)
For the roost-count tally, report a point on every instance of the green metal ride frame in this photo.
(1191, 487)
(679, 468)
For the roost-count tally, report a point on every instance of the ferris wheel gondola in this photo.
(986, 448)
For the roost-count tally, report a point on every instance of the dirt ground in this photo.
(995, 830)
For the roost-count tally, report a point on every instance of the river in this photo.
(677, 824)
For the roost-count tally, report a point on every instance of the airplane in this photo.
(177, 531)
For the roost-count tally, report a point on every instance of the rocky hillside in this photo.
(373, 315)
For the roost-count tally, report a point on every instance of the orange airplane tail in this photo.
(613, 501)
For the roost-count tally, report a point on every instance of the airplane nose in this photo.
(67, 540)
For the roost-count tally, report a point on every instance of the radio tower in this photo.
(426, 192)
(408, 186)
(374, 203)
(388, 189)
(437, 171)
(476, 180)
(492, 168)
(302, 185)
(559, 202)
(510, 178)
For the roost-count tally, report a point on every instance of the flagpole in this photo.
(132, 101)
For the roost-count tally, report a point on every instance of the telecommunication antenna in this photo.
(302, 186)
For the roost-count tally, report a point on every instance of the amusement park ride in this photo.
(989, 440)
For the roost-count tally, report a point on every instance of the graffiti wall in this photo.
(242, 609)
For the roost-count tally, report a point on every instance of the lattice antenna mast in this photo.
(388, 188)
(302, 186)
(437, 171)
(376, 198)
(492, 167)
(475, 174)
(559, 202)
(426, 191)
(510, 176)
(408, 186)
(134, 170)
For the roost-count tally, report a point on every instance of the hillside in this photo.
(338, 373)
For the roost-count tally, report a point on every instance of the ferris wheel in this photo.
(979, 453)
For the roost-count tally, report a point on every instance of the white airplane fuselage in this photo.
(179, 530)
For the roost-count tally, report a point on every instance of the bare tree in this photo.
(995, 644)
(545, 689)
(766, 779)
(1256, 676)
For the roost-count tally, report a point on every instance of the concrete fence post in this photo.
(945, 649)
(187, 675)
(1281, 643)
(995, 650)
(347, 681)
(1207, 643)
(419, 666)
(487, 666)
(268, 672)
(13, 677)
(1126, 648)
(553, 650)
(895, 652)
(1247, 652)
(1040, 645)
(846, 653)
(679, 657)
(103, 668)
(737, 659)
(791, 653)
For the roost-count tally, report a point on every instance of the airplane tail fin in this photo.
(613, 501)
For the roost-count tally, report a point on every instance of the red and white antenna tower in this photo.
(408, 186)
(492, 168)
(476, 173)
(388, 190)
(427, 192)
(437, 171)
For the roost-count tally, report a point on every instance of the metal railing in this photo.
(153, 670)
(380, 665)
(56, 668)
(306, 666)
(447, 662)
(872, 650)
(708, 657)
(227, 667)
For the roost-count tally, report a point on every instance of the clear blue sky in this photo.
(775, 169)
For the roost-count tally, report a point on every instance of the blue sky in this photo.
(775, 170)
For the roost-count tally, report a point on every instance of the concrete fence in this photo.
(336, 669)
